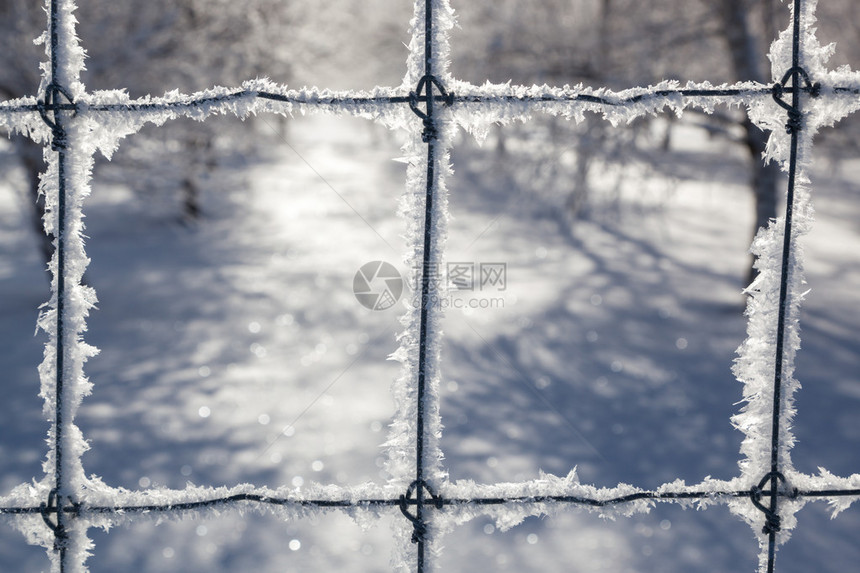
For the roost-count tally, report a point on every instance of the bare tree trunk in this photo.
(765, 181)
(745, 63)
(190, 199)
(30, 155)
(604, 43)
(768, 18)
(201, 162)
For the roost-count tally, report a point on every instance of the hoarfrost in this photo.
(509, 103)
(122, 116)
(423, 162)
(755, 365)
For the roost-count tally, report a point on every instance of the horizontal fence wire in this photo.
(453, 98)
(425, 101)
(83, 509)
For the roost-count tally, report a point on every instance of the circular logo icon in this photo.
(377, 285)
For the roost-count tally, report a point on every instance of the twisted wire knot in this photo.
(53, 506)
(773, 522)
(427, 82)
(794, 123)
(48, 109)
(419, 527)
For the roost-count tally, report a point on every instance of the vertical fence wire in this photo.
(426, 277)
(794, 127)
(61, 487)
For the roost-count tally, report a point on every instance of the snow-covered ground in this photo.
(236, 352)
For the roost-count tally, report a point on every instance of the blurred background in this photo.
(233, 349)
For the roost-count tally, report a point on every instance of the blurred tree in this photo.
(839, 22)
(160, 45)
(22, 22)
(745, 44)
(152, 47)
(613, 43)
(624, 43)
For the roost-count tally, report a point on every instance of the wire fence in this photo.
(767, 493)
